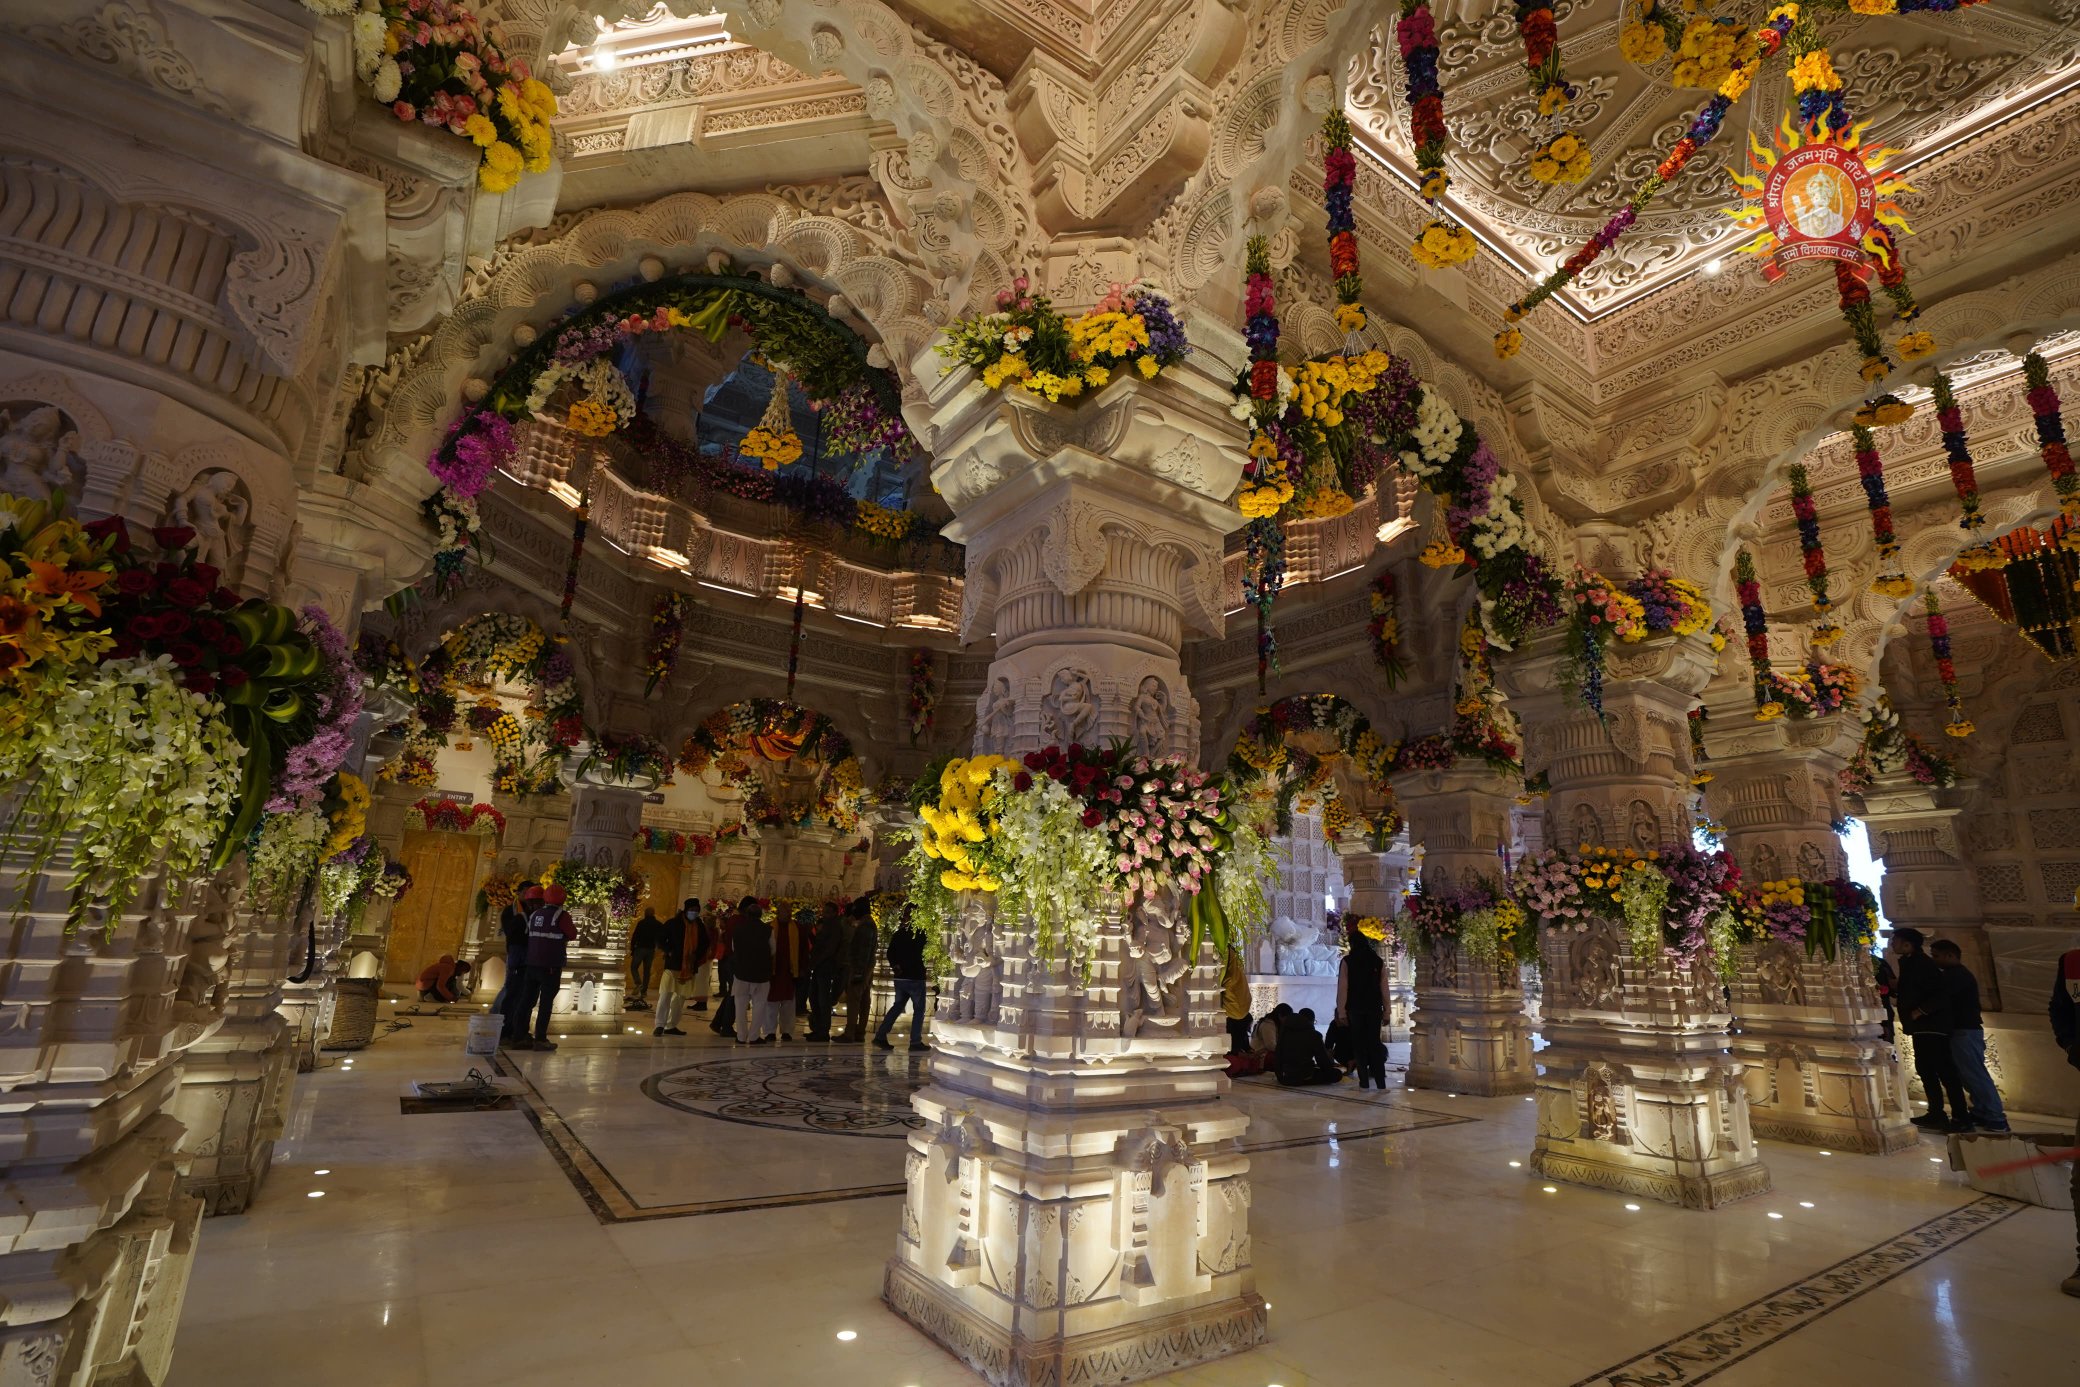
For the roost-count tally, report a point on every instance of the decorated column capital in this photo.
(1458, 817)
(1776, 786)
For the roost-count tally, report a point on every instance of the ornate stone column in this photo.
(1928, 873)
(1808, 1029)
(1077, 1208)
(1639, 1092)
(1469, 1033)
(605, 814)
(99, 1239)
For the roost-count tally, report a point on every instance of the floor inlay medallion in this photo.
(1717, 1345)
(833, 1094)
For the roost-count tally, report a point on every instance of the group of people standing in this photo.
(1937, 999)
(772, 967)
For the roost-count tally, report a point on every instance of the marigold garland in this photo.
(2051, 431)
(1809, 544)
(1443, 241)
(1870, 469)
(1747, 588)
(1267, 483)
(1763, 43)
(667, 629)
(1939, 645)
(1914, 344)
(1385, 629)
(1563, 158)
(1957, 446)
(1339, 177)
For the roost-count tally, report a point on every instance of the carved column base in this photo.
(1817, 1067)
(1640, 1092)
(1469, 1033)
(232, 1100)
(307, 1008)
(1077, 1209)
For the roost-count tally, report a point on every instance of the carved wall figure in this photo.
(214, 505)
(997, 718)
(1597, 978)
(973, 951)
(1152, 718)
(37, 454)
(1154, 994)
(1070, 708)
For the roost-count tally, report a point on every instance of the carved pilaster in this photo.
(1469, 1033)
(1776, 786)
(1928, 869)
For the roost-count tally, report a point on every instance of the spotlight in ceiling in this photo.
(1714, 265)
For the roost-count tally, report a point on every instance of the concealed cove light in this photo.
(846, 1336)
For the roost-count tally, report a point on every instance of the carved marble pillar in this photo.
(1639, 1090)
(1928, 870)
(1077, 1207)
(98, 1238)
(1808, 1030)
(605, 815)
(1469, 1033)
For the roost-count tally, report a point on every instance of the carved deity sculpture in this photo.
(1600, 1116)
(1156, 968)
(1151, 718)
(1783, 984)
(973, 951)
(1597, 979)
(212, 505)
(36, 456)
(997, 717)
(1071, 708)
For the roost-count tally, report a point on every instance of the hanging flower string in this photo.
(667, 628)
(1914, 343)
(1747, 589)
(1808, 516)
(1939, 645)
(1764, 42)
(1267, 481)
(1870, 469)
(570, 572)
(1957, 446)
(1339, 178)
(1385, 629)
(2051, 432)
(1442, 242)
(1564, 156)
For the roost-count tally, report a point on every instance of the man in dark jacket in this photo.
(2065, 1028)
(906, 964)
(698, 938)
(550, 930)
(1924, 1014)
(862, 945)
(751, 954)
(671, 982)
(512, 927)
(642, 958)
(825, 964)
(1968, 1038)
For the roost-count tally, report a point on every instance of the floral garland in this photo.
(434, 62)
(449, 816)
(1065, 837)
(616, 890)
(1564, 156)
(573, 362)
(499, 645)
(1027, 342)
(2042, 398)
(1268, 767)
(1740, 73)
(1807, 515)
(1598, 612)
(1963, 476)
(1478, 918)
(1888, 747)
(1870, 469)
(623, 757)
(924, 695)
(1939, 645)
(1442, 242)
(1339, 177)
(1267, 477)
(1830, 918)
(735, 739)
(307, 768)
(773, 440)
(667, 629)
(1384, 629)
(1676, 901)
(1814, 691)
(668, 840)
(1747, 587)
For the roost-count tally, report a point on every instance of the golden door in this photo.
(661, 871)
(430, 920)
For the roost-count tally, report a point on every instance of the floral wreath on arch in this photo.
(527, 749)
(1270, 763)
(745, 741)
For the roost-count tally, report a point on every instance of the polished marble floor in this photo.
(683, 1212)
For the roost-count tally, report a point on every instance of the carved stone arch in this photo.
(420, 630)
(678, 234)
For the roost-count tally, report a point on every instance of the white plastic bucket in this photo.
(483, 1034)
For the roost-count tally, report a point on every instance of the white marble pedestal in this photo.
(1817, 1067)
(1469, 1033)
(1077, 1209)
(1639, 1091)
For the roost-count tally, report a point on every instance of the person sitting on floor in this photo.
(1302, 1057)
(1263, 1037)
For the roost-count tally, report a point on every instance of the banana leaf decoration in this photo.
(270, 712)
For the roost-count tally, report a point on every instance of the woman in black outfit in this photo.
(1361, 1004)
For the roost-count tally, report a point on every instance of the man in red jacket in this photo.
(550, 930)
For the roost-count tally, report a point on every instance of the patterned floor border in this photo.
(611, 1202)
(1718, 1344)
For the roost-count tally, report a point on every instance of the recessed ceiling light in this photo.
(1632, 1208)
(1774, 1214)
(1516, 1165)
(846, 1336)
(1552, 1189)
(1805, 1203)
(321, 1172)
(315, 1194)
(1827, 1153)
(1714, 265)
(1935, 1160)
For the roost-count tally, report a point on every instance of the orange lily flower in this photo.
(49, 580)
